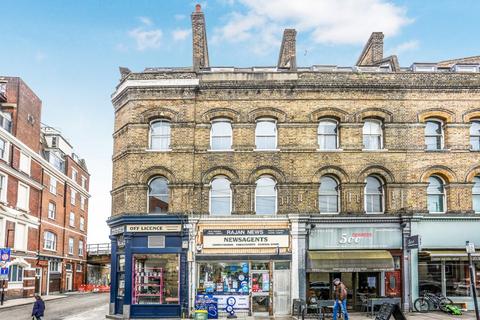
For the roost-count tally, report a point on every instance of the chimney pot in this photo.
(198, 8)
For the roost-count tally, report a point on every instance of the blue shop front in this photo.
(149, 267)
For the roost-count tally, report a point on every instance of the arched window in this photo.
(15, 273)
(372, 135)
(266, 196)
(476, 194)
(160, 135)
(266, 134)
(434, 134)
(158, 197)
(327, 135)
(475, 135)
(221, 135)
(436, 195)
(328, 195)
(220, 197)
(49, 241)
(374, 195)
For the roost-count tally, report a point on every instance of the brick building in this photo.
(266, 183)
(37, 175)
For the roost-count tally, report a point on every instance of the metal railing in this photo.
(99, 249)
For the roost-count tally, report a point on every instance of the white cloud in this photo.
(326, 21)
(40, 56)
(146, 39)
(404, 47)
(179, 17)
(180, 34)
(146, 21)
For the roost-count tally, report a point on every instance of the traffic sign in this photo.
(470, 247)
(4, 273)
(5, 254)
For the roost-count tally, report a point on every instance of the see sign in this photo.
(470, 247)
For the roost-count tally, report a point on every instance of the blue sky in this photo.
(69, 52)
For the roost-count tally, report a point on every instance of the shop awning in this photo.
(349, 261)
(456, 255)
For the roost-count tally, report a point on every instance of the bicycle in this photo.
(429, 302)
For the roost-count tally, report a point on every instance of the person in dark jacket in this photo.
(340, 292)
(38, 308)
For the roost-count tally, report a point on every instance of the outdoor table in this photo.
(379, 301)
(321, 304)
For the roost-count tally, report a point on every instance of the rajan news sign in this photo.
(246, 238)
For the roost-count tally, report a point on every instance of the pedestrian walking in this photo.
(340, 299)
(38, 308)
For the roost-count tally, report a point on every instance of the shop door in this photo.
(393, 287)
(260, 292)
(38, 281)
(69, 282)
(281, 292)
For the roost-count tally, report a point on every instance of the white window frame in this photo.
(71, 219)
(23, 241)
(77, 269)
(74, 175)
(11, 271)
(53, 185)
(210, 197)
(73, 196)
(71, 245)
(25, 163)
(475, 194)
(276, 196)
(221, 120)
(337, 194)
(275, 133)
(382, 183)
(148, 194)
(380, 123)
(84, 182)
(68, 266)
(82, 223)
(82, 202)
(27, 200)
(442, 135)
(444, 198)
(80, 248)
(55, 267)
(2, 231)
(53, 241)
(6, 151)
(477, 135)
(325, 120)
(4, 189)
(50, 215)
(169, 137)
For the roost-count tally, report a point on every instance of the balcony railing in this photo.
(3, 92)
(99, 249)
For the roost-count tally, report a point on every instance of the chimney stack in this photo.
(288, 52)
(199, 37)
(373, 50)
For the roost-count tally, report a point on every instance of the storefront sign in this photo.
(117, 230)
(154, 228)
(413, 242)
(363, 237)
(240, 301)
(235, 238)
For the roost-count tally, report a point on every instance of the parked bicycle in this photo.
(429, 302)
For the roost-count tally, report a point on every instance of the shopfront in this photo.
(249, 269)
(368, 260)
(441, 264)
(149, 267)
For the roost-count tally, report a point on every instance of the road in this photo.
(91, 306)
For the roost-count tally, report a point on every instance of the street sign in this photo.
(413, 242)
(470, 247)
(4, 273)
(5, 254)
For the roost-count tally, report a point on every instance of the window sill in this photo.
(154, 150)
(225, 150)
(474, 150)
(375, 213)
(266, 150)
(437, 150)
(438, 213)
(329, 213)
(329, 150)
(374, 150)
(51, 250)
(51, 218)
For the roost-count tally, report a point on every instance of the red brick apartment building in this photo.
(43, 198)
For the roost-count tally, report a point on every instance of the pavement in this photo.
(24, 301)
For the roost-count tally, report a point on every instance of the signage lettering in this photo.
(154, 228)
(246, 238)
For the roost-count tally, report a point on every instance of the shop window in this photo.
(266, 196)
(372, 135)
(221, 135)
(457, 277)
(430, 276)
(374, 195)
(266, 134)
(160, 135)
(475, 135)
(15, 273)
(476, 194)
(156, 279)
(436, 195)
(434, 134)
(328, 195)
(158, 195)
(220, 197)
(219, 278)
(327, 135)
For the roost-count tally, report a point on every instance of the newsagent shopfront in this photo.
(148, 267)
(367, 257)
(246, 268)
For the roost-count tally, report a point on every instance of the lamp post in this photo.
(470, 247)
